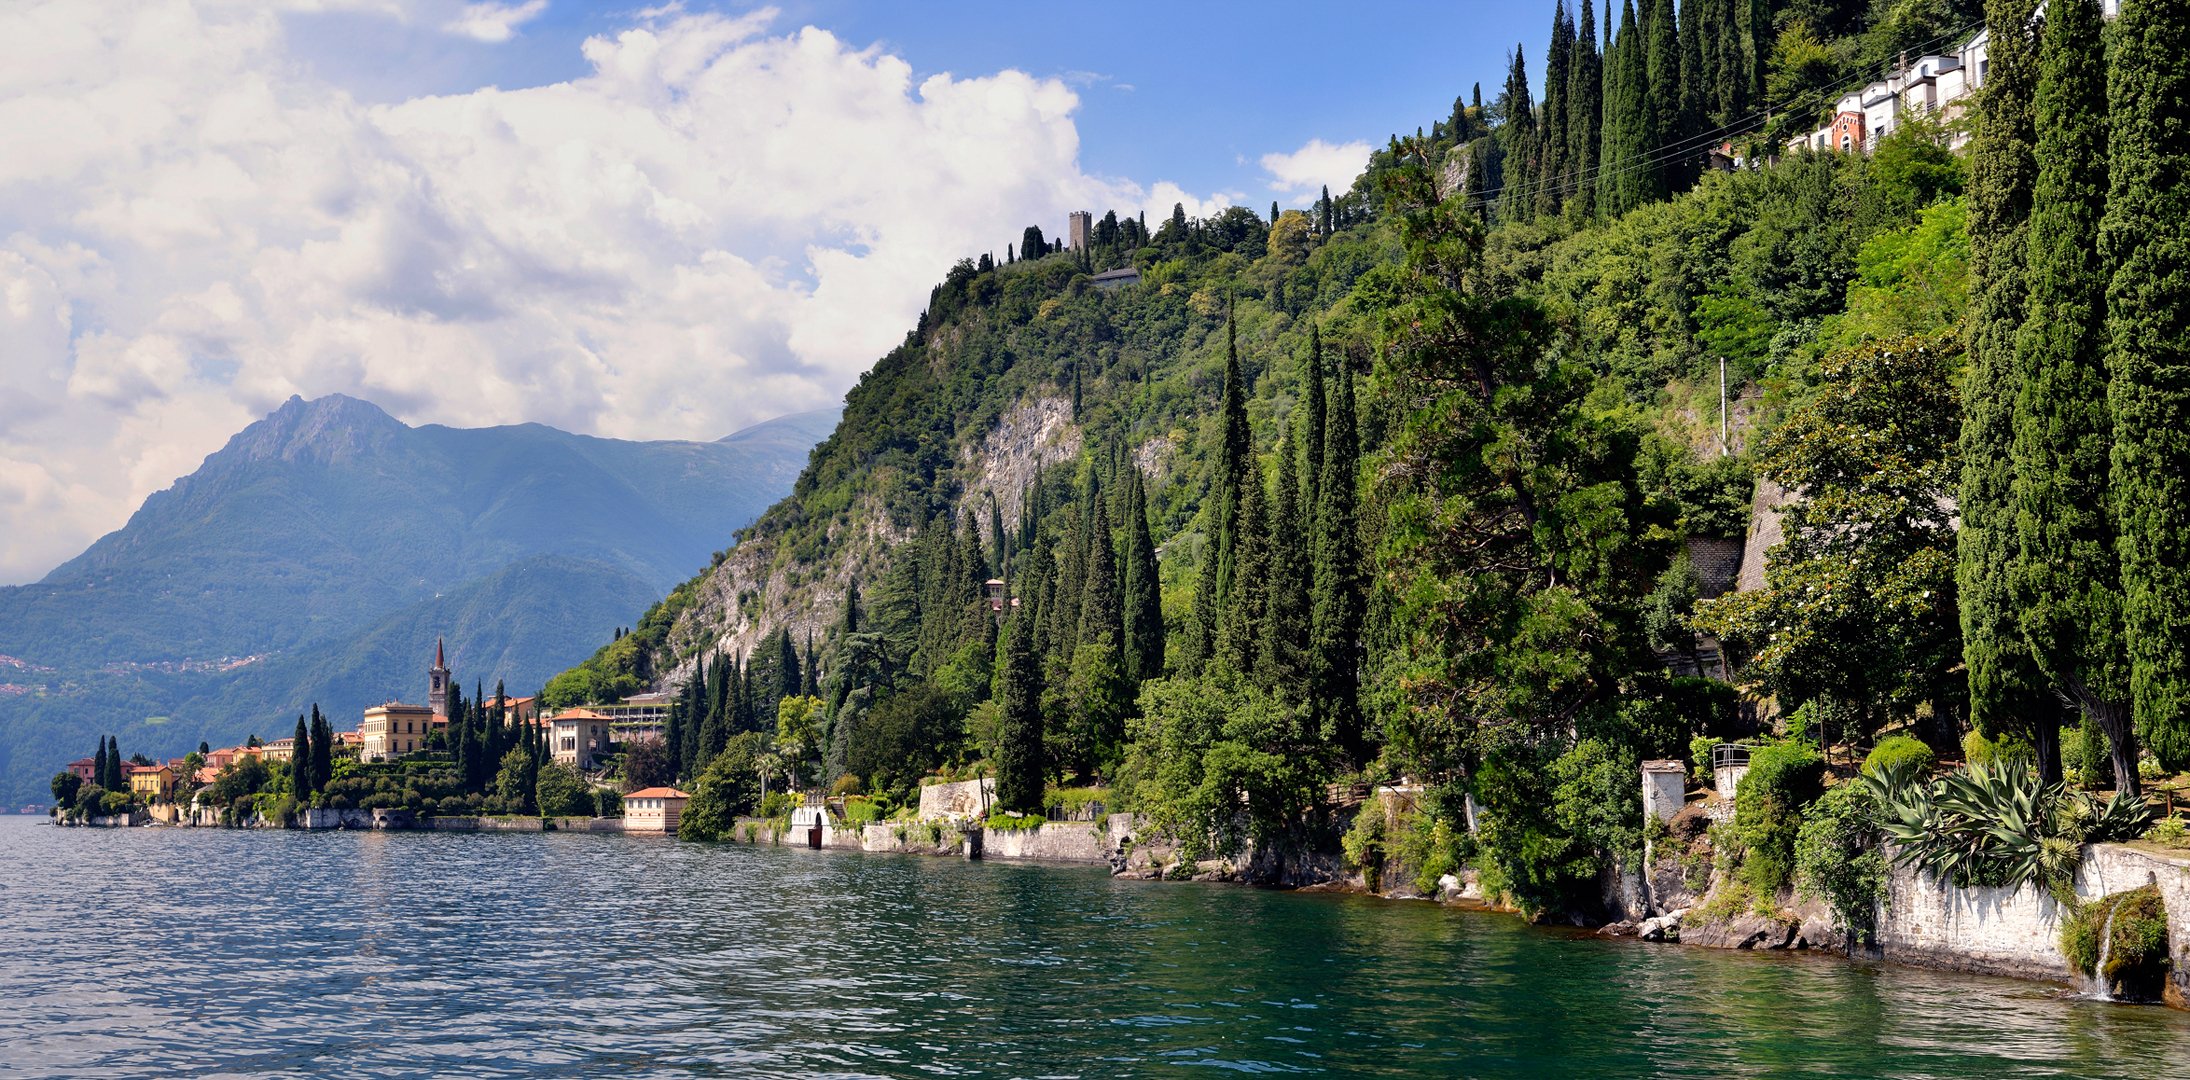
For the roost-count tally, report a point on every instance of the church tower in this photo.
(437, 682)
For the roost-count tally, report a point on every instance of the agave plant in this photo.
(2123, 817)
(1987, 825)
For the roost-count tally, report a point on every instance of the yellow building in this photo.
(654, 809)
(279, 751)
(155, 783)
(393, 730)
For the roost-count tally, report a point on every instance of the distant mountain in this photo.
(318, 554)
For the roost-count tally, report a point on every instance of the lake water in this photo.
(172, 952)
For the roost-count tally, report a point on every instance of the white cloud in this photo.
(720, 222)
(493, 23)
(1305, 172)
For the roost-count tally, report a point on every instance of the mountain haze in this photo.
(317, 555)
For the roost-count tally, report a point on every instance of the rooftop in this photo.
(657, 793)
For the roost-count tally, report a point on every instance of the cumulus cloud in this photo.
(721, 221)
(493, 23)
(1304, 173)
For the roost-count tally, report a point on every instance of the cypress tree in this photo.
(1552, 159)
(1061, 619)
(1729, 64)
(2145, 236)
(1317, 406)
(1283, 647)
(1020, 755)
(1101, 618)
(1232, 455)
(1517, 137)
(1695, 88)
(1248, 604)
(812, 668)
(98, 767)
(1621, 183)
(1143, 602)
(999, 545)
(2065, 579)
(323, 749)
(2006, 693)
(1201, 627)
(300, 760)
(1338, 607)
(1662, 103)
(1585, 115)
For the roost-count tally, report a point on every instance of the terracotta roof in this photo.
(657, 793)
(135, 770)
(579, 714)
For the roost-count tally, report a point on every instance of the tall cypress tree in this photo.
(116, 778)
(1585, 119)
(1021, 759)
(2146, 238)
(2066, 578)
(300, 760)
(1553, 159)
(2006, 692)
(1233, 450)
(1335, 637)
(1281, 664)
(1517, 136)
(98, 767)
(1622, 182)
(323, 749)
(1318, 408)
(1695, 88)
(1144, 637)
(1662, 102)
(1101, 618)
(1201, 623)
(1248, 605)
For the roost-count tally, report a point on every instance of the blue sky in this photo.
(664, 224)
(1191, 93)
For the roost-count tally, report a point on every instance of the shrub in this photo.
(1699, 752)
(861, 811)
(1896, 750)
(1363, 844)
(2135, 926)
(2084, 758)
(846, 784)
(1013, 821)
(1838, 857)
(1978, 750)
(2172, 832)
(776, 804)
(1431, 846)
(1782, 779)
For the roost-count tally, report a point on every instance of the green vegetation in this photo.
(1996, 825)
(1838, 857)
(1769, 808)
(1899, 752)
(2130, 930)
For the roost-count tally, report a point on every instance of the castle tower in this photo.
(1079, 229)
(437, 682)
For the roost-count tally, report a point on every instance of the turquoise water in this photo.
(170, 952)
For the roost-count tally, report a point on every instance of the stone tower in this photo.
(1079, 227)
(437, 682)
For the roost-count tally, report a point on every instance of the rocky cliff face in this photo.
(757, 588)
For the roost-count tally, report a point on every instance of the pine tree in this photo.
(1143, 599)
(2006, 693)
(300, 761)
(2145, 236)
(2065, 580)
(1248, 604)
(1335, 634)
(1281, 662)
(1517, 137)
(1555, 180)
(1585, 119)
(1021, 761)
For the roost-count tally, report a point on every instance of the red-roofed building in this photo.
(85, 769)
(654, 809)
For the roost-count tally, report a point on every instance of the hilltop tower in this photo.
(437, 682)
(1079, 228)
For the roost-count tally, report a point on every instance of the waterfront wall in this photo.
(966, 798)
(2018, 931)
(1107, 843)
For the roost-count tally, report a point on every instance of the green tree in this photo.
(300, 761)
(2146, 237)
(515, 780)
(2065, 579)
(65, 785)
(1623, 172)
(1552, 140)
(1235, 449)
(1336, 594)
(798, 736)
(560, 792)
(1143, 593)
(1248, 603)
(1022, 765)
(1281, 663)
(1585, 118)
(1517, 136)
(2005, 691)
(1668, 170)
(727, 788)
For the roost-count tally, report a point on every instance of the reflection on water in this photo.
(177, 952)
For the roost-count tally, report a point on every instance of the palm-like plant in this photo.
(1995, 824)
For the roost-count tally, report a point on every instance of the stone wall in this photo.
(966, 798)
(1056, 841)
(2018, 932)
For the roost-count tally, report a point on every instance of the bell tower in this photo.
(437, 682)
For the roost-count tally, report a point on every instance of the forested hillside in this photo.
(1402, 484)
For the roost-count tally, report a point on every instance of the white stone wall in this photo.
(966, 798)
(2018, 932)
